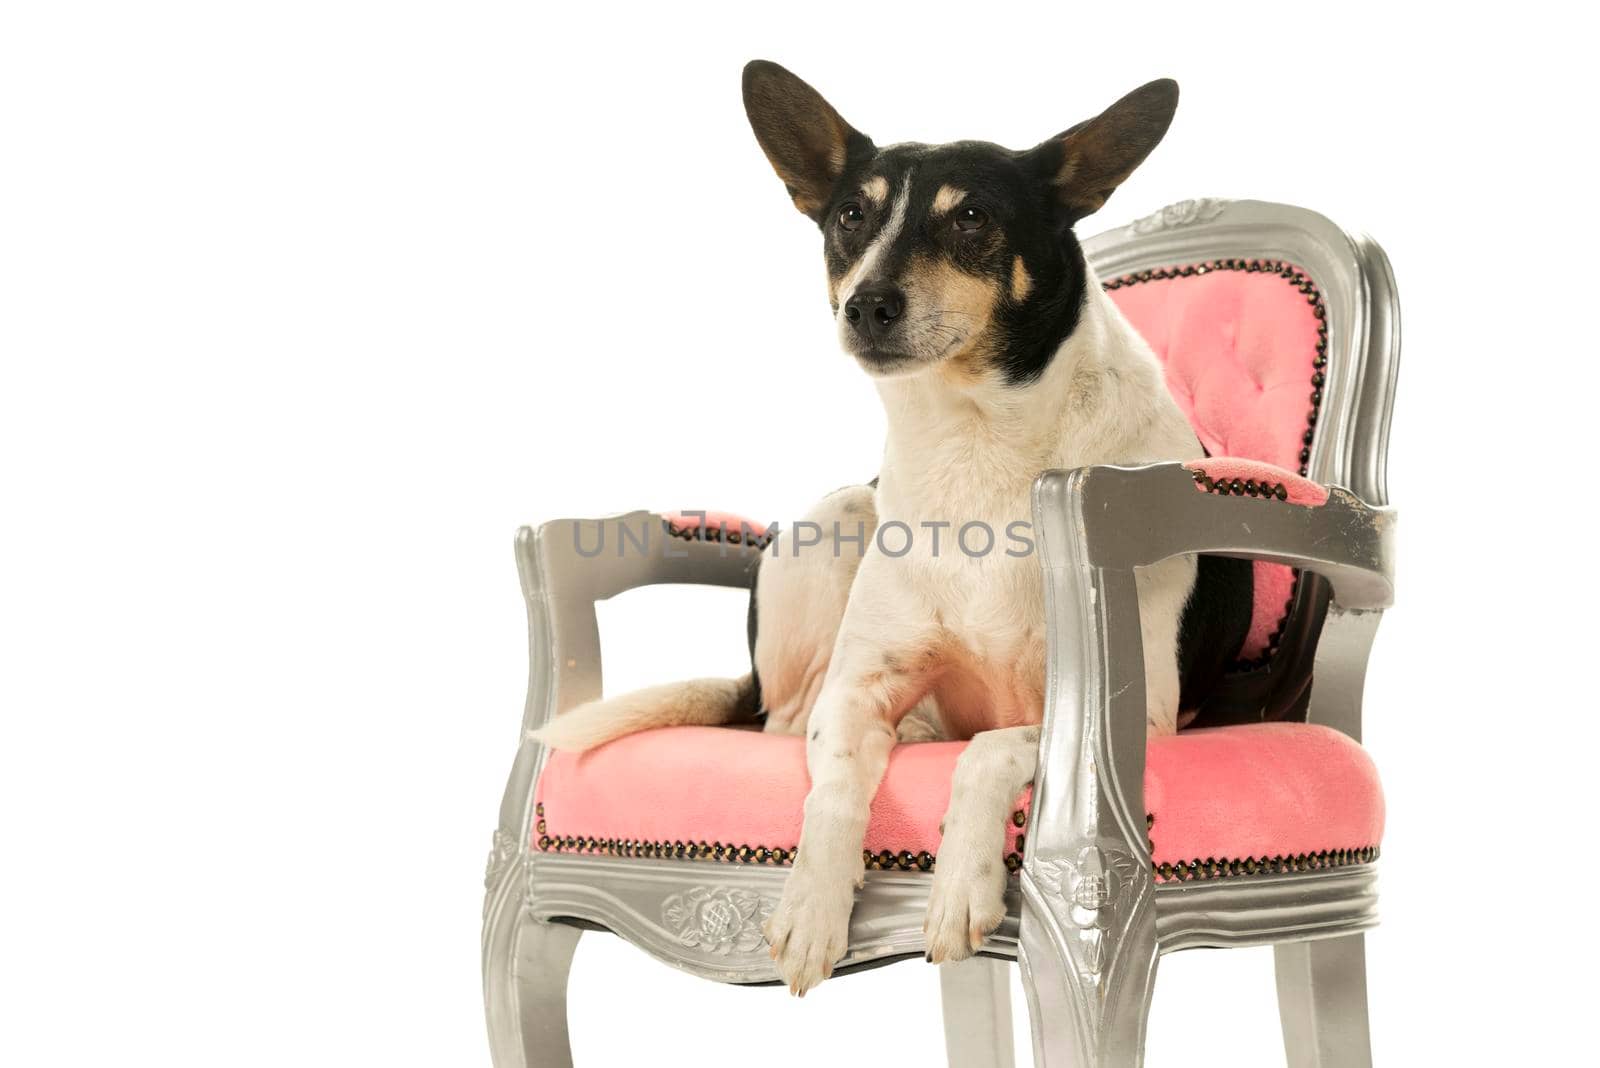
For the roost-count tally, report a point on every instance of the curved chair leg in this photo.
(1088, 986)
(525, 970)
(976, 994)
(1322, 1001)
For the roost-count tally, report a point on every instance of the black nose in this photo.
(873, 308)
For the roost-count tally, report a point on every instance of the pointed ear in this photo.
(805, 140)
(1089, 161)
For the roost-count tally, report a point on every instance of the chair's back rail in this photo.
(1357, 288)
(1355, 298)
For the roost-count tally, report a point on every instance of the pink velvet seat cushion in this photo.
(1262, 797)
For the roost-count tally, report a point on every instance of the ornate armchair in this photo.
(1258, 824)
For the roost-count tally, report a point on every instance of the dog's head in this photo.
(959, 257)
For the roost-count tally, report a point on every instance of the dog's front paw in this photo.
(967, 902)
(810, 929)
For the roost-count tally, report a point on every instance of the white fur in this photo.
(969, 884)
(858, 651)
(967, 633)
(802, 595)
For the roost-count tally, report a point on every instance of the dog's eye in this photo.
(970, 219)
(851, 217)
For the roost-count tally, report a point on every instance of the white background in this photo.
(304, 307)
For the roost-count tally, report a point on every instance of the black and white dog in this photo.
(957, 283)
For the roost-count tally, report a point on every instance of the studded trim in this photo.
(884, 860)
(1019, 819)
(1297, 278)
(747, 537)
(1276, 637)
(1214, 868)
(1249, 487)
(905, 860)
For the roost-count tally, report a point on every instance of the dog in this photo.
(957, 283)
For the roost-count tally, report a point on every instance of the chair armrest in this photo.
(565, 566)
(596, 559)
(1132, 517)
(569, 564)
(1087, 867)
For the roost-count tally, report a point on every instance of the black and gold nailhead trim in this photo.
(884, 860)
(1213, 868)
(1267, 491)
(905, 860)
(1319, 369)
(753, 539)
(902, 861)
(1275, 638)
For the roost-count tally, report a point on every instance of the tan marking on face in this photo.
(946, 199)
(1021, 281)
(876, 189)
(965, 307)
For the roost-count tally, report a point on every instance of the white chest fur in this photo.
(955, 484)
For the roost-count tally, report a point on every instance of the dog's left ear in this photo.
(1089, 161)
(805, 139)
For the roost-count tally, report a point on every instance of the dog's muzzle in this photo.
(873, 310)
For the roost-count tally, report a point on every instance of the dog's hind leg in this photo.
(969, 877)
(801, 593)
(922, 723)
(1163, 589)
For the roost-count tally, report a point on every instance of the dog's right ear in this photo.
(805, 140)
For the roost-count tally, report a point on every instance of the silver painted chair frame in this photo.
(1087, 920)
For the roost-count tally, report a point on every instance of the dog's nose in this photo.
(873, 308)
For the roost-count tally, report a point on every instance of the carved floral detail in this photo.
(500, 857)
(717, 920)
(1097, 883)
(1183, 213)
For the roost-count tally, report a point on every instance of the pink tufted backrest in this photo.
(1244, 345)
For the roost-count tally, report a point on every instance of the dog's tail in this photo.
(699, 703)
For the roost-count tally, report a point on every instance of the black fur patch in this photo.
(992, 280)
(1215, 624)
(751, 622)
(1025, 219)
